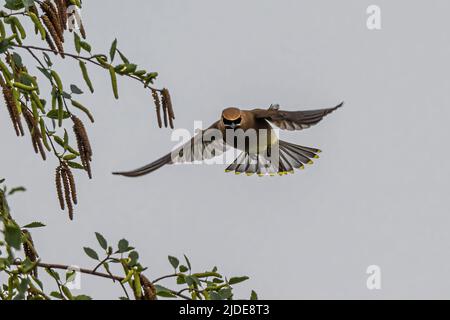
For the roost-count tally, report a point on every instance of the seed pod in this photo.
(37, 24)
(5, 71)
(52, 13)
(18, 26)
(24, 87)
(73, 188)
(59, 98)
(59, 190)
(157, 102)
(58, 81)
(78, 105)
(43, 134)
(86, 76)
(112, 73)
(67, 190)
(168, 101)
(11, 105)
(62, 12)
(36, 135)
(51, 29)
(50, 43)
(84, 146)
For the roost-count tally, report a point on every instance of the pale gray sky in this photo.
(378, 195)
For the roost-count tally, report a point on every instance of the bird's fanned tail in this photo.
(291, 156)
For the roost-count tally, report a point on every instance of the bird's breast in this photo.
(252, 141)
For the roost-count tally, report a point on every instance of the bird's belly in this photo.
(253, 144)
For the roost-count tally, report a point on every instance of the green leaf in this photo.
(188, 262)
(67, 292)
(102, 241)
(74, 89)
(70, 275)
(47, 59)
(181, 279)
(134, 256)
(70, 157)
(253, 296)
(5, 45)
(112, 51)
(86, 76)
(77, 42)
(174, 262)
(14, 4)
(163, 292)
(215, 296)
(113, 76)
(53, 114)
(53, 274)
(34, 225)
(17, 60)
(28, 3)
(75, 165)
(183, 268)
(123, 246)
(78, 105)
(86, 46)
(124, 59)
(13, 235)
(236, 280)
(91, 253)
(56, 295)
(225, 293)
(82, 297)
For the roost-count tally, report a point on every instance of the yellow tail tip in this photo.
(310, 162)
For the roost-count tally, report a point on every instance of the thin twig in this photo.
(79, 57)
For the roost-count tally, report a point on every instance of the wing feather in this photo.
(196, 149)
(294, 120)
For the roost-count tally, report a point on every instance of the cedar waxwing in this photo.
(265, 155)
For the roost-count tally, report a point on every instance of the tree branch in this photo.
(78, 57)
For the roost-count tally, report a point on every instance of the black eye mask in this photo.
(229, 122)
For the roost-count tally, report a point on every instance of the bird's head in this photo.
(231, 118)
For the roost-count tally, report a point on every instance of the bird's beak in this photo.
(231, 126)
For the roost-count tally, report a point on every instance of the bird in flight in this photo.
(251, 132)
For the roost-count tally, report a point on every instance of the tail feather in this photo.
(291, 156)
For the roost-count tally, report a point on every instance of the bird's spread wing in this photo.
(293, 120)
(205, 145)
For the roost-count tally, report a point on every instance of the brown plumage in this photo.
(264, 155)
